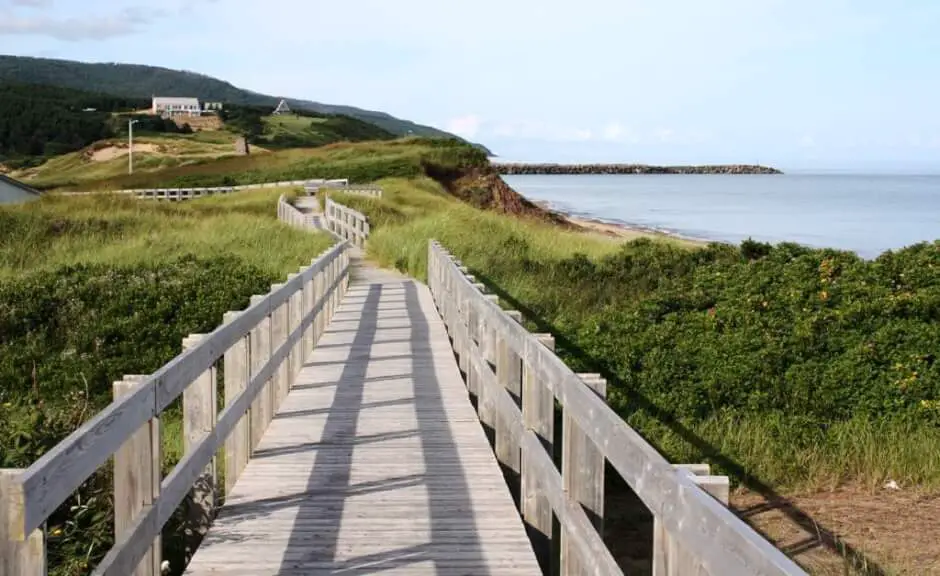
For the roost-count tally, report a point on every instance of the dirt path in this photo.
(882, 532)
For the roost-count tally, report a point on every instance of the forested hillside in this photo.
(145, 81)
(46, 121)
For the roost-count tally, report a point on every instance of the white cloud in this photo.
(808, 141)
(542, 131)
(664, 134)
(72, 29)
(466, 126)
(613, 131)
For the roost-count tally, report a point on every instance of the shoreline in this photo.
(618, 229)
(527, 168)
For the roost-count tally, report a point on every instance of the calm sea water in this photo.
(866, 214)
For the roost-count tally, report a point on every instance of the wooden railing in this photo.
(344, 188)
(177, 194)
(346, 222)
(516, 378)
(261, 350)
(289, 214)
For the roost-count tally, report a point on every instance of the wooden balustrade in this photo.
(289, 214)
(177, 194)
(261, 349)
(343, 187)
(516, 379)
(347, 223)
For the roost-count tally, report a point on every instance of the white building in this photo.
(172, 106)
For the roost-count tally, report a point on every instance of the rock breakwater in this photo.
(514, 168)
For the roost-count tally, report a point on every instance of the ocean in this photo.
(865, 214)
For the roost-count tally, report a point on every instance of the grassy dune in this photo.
(95, 287)
(152, 153)
(360, 162)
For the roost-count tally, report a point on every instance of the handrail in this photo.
(346, 222)
(311, 188)
(282, 326)
(187, 193)
(289, 214)
(701, 527)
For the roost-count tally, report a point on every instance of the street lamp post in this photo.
(130, 145)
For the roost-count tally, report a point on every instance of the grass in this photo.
(153, 153)
(116, 230)
(360, 162)
(96, 287)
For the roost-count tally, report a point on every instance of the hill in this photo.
(142, 81)
(46, 120)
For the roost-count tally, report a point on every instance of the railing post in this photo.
(296, 315)
(200, 413)
(26, 558)
(260, 353)
(318, 300)
(473, 340)
(582, 473)
(306, 341)
(509, 376)
(279, 320)
(669, 559)
(235, 364)
(538, 415)
(137, 478)
(486, 402)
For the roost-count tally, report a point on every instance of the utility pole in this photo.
(130, 145)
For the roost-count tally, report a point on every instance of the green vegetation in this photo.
(144, 81)
(302, 129)
(360, 162)
(101, 286)
(46, 121)
(108, 158)
(785, 366)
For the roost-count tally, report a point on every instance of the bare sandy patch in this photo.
(112, 152)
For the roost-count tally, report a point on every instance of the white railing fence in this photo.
(346, 222)
(517, 378)
(260, 350)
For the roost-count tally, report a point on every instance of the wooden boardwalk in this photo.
(376, 461)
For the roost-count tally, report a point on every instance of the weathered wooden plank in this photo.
(236, 373)
(583, 539)
(200, 411)
(377, 427)
(52, 478)
(130, 548)
(137, 480)
(724, 542)
(582, 473)
(260, 350)
(26, 558)
(538, 415)
(279, 330)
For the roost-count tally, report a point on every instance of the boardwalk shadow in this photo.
(629, 532)
(354, 517)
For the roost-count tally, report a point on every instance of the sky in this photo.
(797, 84)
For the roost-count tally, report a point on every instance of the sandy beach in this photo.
(616, 231)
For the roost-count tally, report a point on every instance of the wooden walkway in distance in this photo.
(376, 461)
